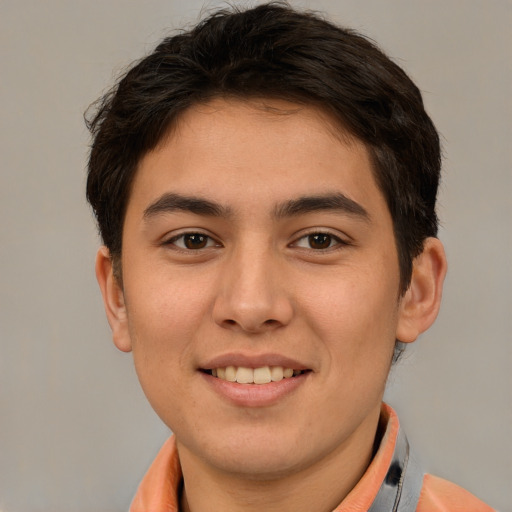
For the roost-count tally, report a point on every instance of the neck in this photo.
(320, 486)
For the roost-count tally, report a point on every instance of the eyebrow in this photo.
(329, 202)
(169, 203)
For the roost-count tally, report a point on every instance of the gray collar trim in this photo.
(401, 487)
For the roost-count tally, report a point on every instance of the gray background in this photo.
(75, 431)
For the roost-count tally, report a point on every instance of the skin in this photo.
(261, 285)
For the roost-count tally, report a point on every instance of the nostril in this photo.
(251, 326)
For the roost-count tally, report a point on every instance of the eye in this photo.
(192, 241)
(318, 241)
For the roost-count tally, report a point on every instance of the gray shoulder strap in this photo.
(401, 488)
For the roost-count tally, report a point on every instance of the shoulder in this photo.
(438, 495)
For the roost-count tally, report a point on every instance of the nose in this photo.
(252, 294)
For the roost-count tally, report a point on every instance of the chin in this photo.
(255, 454)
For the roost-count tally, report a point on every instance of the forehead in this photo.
(270, 150)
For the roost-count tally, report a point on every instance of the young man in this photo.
(265, 188)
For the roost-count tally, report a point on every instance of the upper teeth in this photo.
(262, 375)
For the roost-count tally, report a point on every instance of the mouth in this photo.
(261, 375)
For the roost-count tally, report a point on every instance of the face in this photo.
(256, 244)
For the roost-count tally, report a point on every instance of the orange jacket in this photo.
(158, 491)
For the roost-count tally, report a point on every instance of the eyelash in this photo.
(333, 242)
(210, 241)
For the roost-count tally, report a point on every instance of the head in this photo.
(265, 188)
(272, 52)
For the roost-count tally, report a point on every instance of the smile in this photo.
(261, 375)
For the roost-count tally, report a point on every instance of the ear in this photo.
(113, 300)
(420, 305)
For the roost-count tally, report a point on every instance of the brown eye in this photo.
(195, 241)
(192, 241)
(320, 241)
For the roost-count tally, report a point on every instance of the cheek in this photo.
(163, 316)
(163, 320)
(355, 314)
(166, 302)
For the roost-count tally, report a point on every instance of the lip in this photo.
(255, 395)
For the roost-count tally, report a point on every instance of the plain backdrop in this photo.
(76, 433)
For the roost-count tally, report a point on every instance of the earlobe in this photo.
(113, 300)
(420, 305)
